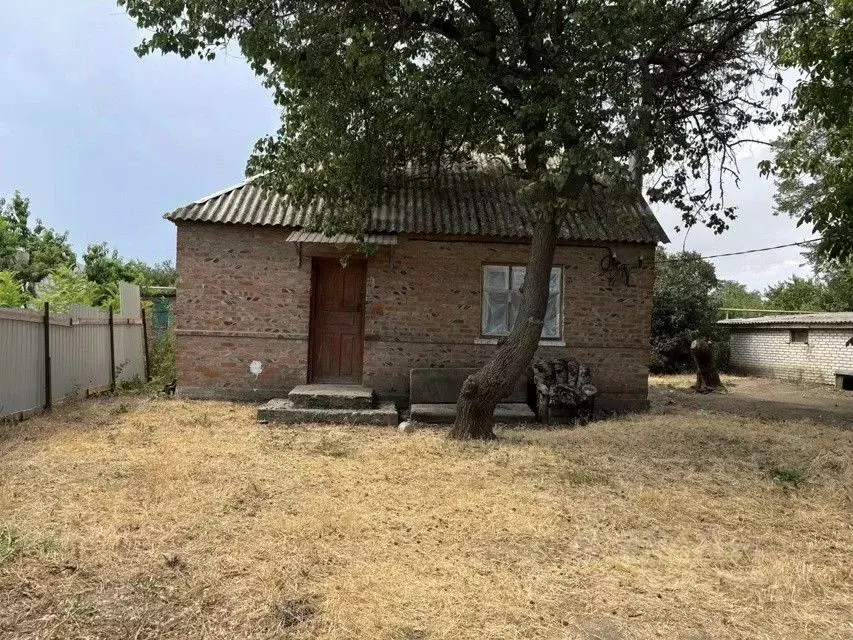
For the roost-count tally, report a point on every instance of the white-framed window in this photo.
(502, 300)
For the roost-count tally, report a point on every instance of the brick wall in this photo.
(770, 352)
(244, 297)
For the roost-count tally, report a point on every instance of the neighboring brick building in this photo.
(812, 347)
(263, 306)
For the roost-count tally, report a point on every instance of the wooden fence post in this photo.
(145, 347)
(112, 353)
(48, 393)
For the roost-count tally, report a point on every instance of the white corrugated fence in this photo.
(82, 361)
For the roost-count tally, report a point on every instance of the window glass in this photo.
(554, 283)
(502, 300)
(800, 335)
(551, 327)
(518, 277)
(496, 277)
(496, 313)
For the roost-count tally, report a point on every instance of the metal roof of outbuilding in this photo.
(800, 319)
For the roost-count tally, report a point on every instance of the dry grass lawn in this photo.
(173, 519)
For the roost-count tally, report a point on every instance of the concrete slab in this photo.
(331, 396)
(283, 411)
(445, 413)
(443, 384)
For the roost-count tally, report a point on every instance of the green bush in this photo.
(161, 352)
(11, 292)
(790, 475)
(722, 353)
(684, 308)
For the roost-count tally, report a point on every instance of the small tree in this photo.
(684, 309)
(106, 269)
(11, 291)
(65, 287)
(566, 95)
(159, 274)
(30, 253)
(797, 294)
(837, 277)
(735, 295)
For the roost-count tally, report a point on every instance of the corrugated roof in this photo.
(341, 238)
(797, 319)
(462, 201)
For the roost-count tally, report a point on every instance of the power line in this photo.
(740, 253)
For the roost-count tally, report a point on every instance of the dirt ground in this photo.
(163, 518)
(761, 398)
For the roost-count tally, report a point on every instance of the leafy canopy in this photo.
(830, 289)
(565, 93)
(735, 295)
(37, 264)
(30, 253)
(65, 287)
(11, 292)
(685, 307)
(814, 160)
(796, 294)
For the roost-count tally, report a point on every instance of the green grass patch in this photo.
(12, 545)
(793, 476)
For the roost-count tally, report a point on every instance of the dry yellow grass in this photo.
(173, 519)
(687, 380)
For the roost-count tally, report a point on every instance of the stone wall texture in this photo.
(244, 297)
(769, 352)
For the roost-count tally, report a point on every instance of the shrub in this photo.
(11, 291)
(11, 545)
(790, 475)
(161, 352)
(684, 308)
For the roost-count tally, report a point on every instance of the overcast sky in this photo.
(103, 142)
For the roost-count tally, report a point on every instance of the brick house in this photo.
(813, 347)
(264, 305)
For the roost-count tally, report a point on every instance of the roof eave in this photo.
(786, 325)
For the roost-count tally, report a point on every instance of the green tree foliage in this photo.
(30, 253)
(11, 291)
(65, 286)
(39, 262)
(814, 160)
(159, 274)
(837, 278)
(735, 295)
(561, 91)
(103, 266)
(830, 289)
(106, 268)
(796, 294)
(685, 307)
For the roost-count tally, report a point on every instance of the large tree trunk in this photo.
(483, 390)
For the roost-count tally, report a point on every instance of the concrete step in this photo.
(284, 411)
(331, 396)
(445, 413)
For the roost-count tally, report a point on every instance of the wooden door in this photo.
(337, 321)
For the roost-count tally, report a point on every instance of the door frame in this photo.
(312, 313)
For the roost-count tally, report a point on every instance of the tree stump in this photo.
(707, 376)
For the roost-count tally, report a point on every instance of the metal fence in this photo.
(49, 357)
